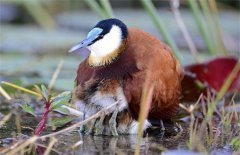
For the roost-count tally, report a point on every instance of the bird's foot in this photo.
(89, 131)
(99, 125)
(113, 123)
(82, 128)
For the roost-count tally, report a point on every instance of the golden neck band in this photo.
(108, 59)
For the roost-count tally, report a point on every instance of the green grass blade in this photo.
(211, 27)
(96, 8)
(41, 15)
(149, 7)
(223, 90)
(107, 8)
(214, 12)
(21, 88)
(201, 26)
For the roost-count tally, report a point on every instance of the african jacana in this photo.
(116, 69)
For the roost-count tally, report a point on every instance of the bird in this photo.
(121, 59)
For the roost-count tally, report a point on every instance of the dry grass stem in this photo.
(55, 75)
(11, 147)
(44, 146)
(76, 144)
(18, 123)
(4, 93)
(53, 140)
(182, 26)
(22, 146)
(98, 114)
(145, 107)
(5, 119)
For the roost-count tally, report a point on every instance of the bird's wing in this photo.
(157, 65)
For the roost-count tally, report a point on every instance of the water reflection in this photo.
(124, 144)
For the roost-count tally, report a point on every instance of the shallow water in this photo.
(123, 144)
(154, 142)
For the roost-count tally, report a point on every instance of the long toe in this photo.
(112, 126)
(98, 128)
(89, 131)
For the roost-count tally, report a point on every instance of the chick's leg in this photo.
(82, 127)
(113, 123)
(99, 125)
(90, 127)
(162, 127)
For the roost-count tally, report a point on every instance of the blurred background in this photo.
(35, 35)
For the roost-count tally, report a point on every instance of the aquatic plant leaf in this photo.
(44, 92)
(209, 75)
(28, 109)
(62, 110)
(235, 143)
(191, 87)
(61, 99)
(58, 122)
(38, 89)
(215, 72)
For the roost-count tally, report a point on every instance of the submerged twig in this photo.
(98, 114)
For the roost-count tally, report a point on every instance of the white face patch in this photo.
(110, 42)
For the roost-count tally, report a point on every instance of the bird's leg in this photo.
(161, 135)
(99, 125)
(162, 126)
(82, 127)
(89, 130)
(113, 123)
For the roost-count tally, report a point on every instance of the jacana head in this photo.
(106, 40)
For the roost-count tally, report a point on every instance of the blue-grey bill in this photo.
(92, 35)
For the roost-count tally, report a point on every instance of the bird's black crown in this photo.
(107, 24)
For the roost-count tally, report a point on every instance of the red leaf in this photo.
(212, 74)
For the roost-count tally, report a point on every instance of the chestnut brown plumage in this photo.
(142, 57)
